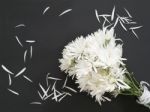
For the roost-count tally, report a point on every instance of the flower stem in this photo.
(135, 88)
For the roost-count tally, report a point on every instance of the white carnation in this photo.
(96, 62)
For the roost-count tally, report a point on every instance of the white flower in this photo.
(96, 62)
(83, 68)
(144, 99)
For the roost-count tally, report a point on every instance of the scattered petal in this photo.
(21, 71)
(66, 11)
(31, 51)
(7, 70)
(58, 92)
(30, 41)
(48, 96)
(10, 81)
(65, 82)
(44, 91)
(97, 16)
(68, 93)
(55, 95)
(20, 25)
(27, 78)
(40, 95)
(116, 22)
(45, 10)
(54, 78)
(128, 12)
(71, 89)
(18, 41)
(25, 55)
(104, 15)
(135, 33)
(133, 28)
(104, 23)
(62, 97)
(123, 26)
(53, 87)
(14, 92)
(132, 22)
(112, 14)
(47, 79)
(38, 103)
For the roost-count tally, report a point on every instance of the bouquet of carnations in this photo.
(96, 63)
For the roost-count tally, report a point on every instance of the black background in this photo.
(52, 33)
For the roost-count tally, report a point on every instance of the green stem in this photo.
(135, 88)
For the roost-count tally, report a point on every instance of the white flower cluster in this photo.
(97, 64)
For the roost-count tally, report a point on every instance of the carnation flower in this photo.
(96, 62)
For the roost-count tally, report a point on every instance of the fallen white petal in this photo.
(132, 22)
(31, 51)
(47, 79)
(66, 11)
(106, 19)
(128, 12)
(30, 41)
(65, 82)
(112, 14)
(10, 81)
(40, 95)
(14, 92)
(21, 71)
(135, 33)
(48, 96)
(116, 22)
(54, 78)
(25, 55)
(55, 95)
(104, 15)
(7, 70)
(45, 10)
(38, 103)
(68, 93)
(20, 25)
(47, 91)
(53, 87)
(97, 16)
(104, 24)
(133, 28)
(73, 90)
(58, 91)
(27, 78)
(44, 91)
(62, 97)
(18, 41)
(123, 26)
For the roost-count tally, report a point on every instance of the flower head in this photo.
(96, 62)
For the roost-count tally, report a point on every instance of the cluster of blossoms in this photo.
(96, 62)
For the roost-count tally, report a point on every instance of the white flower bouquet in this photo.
(96, 63)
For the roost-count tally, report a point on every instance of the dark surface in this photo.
(51, 34)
